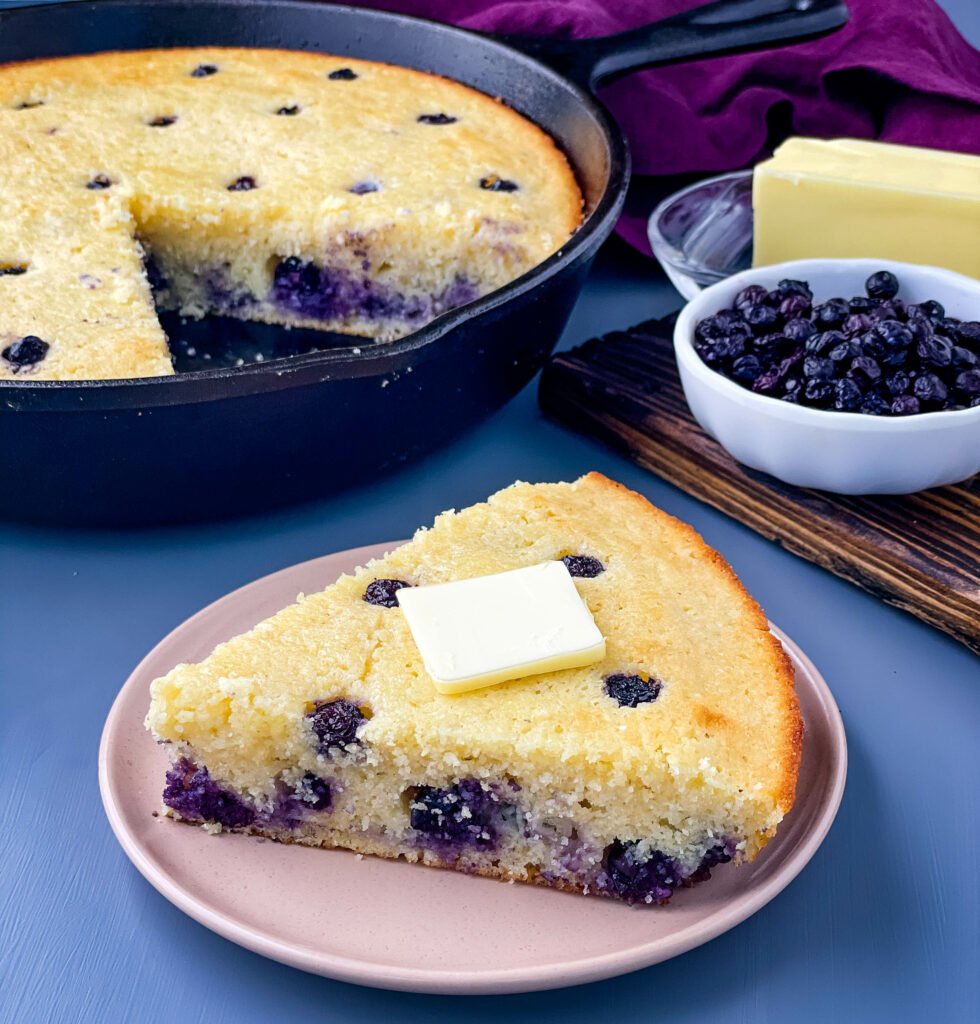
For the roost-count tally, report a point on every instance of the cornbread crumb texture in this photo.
(280, 186)
(708, 764)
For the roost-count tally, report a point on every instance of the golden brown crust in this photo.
(569, 192)
(792, 733)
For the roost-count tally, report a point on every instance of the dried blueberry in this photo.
(461, 813)
(856, 323)
(26, 352)
(297, 276)
(799, 329)
(383, 592)
(729, 318)
(314, 792)
(163, 121)
(772, 380)
(650, 877)
(335, 722)
(746, 369)
(935, 350)
(794, 306)
(932, 309)
(929, 389)
(788, 287)
(821, 343)
(968, 334)
(893, 334)
(12, 269)
(819, 392)
(722, 328)
(847, 395)
(774, 346)
(100, 181)
(713, 857)
(750, 295)
(844, 352)
(492, 183)
(583, 565)
(630, 690)
(897, 383)
(874, 405)
(882, 285)
(905, 405)
(721, 351)
(830, 313)
(961, 359)
(204, 71)
(243, 184)
(436, 119)
(289, 111)
(864, 370)
(761, 318)
(192, 793)
(362, 188)
(818, 368)
(342, 75)
(860, 304)
(967, 383)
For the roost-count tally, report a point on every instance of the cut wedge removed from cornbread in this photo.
(630, 777)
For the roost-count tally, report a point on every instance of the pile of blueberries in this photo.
(872, 353)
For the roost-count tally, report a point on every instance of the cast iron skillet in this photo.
(222, 441)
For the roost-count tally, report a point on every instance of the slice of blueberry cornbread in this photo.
(290, 187)
(74, 301)
(630, 778)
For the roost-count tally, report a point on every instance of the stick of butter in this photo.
(847, 197)
(486, 630)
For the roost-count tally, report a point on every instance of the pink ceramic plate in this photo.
(373, 922)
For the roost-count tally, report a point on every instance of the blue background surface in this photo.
(882, 925)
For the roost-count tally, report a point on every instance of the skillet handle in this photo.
(726, 26)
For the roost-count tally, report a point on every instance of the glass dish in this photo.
(703, 233)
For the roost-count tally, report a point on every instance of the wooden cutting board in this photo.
(919, 552)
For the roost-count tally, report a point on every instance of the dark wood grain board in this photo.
(919, 552)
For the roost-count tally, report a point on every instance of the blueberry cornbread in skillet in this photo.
(629, 777)
(287, 187)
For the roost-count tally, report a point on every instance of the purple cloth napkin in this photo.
(898, 71)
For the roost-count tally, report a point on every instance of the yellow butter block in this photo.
(852, 198)
(490, 629)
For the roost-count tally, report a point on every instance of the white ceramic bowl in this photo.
(850, 453)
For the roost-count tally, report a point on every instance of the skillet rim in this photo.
(373, 359)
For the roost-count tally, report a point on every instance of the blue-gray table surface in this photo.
(881, 926)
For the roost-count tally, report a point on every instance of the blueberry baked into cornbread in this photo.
(630, 777)
(288, 187)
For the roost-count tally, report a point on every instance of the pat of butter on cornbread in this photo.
(854, 198)
(491, 629)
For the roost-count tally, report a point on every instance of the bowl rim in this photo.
(688, 360)
(656, 237)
